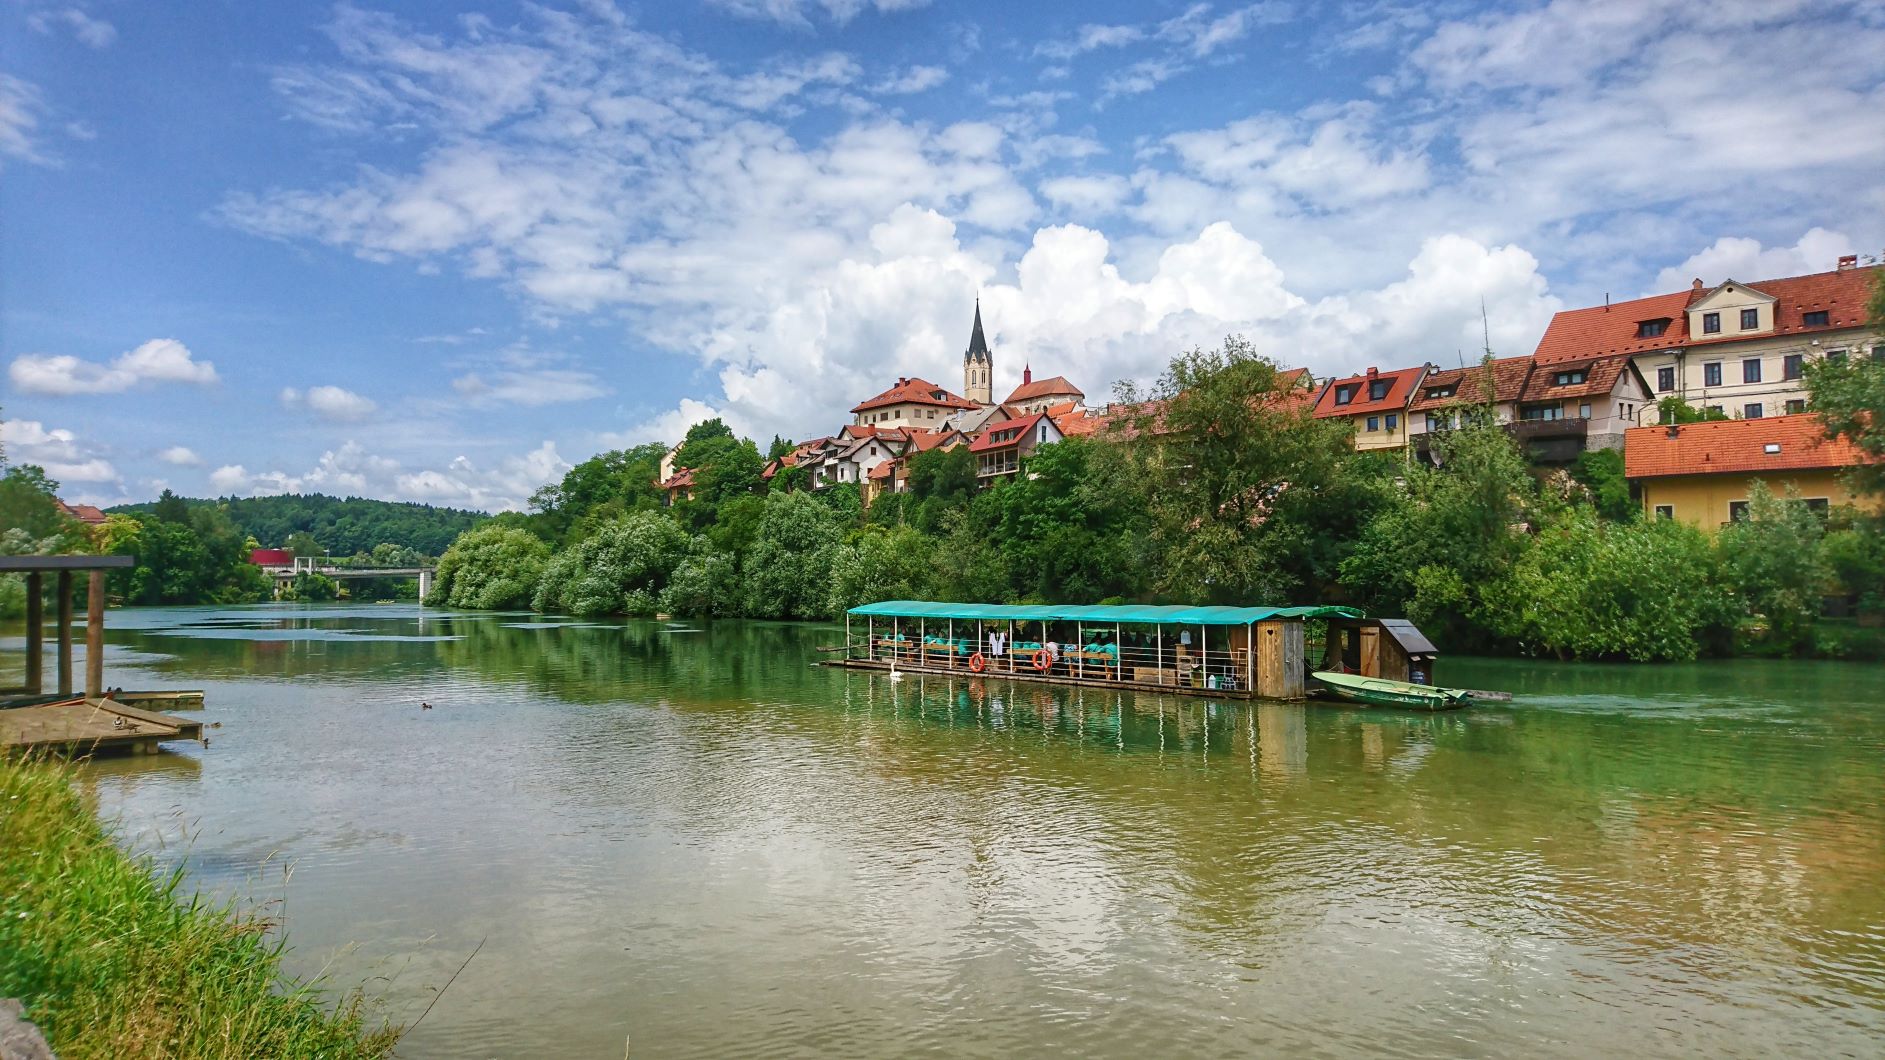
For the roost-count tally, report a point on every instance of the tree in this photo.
(171, 509)
(303, 545)
(1673, 409)
(778, 448)
(880, 563)
(602, 488)
(621, 569)
(790, 563)
(1848, 394)
(1772, 561)
(706, 584)
(492, 567)
(941, 480)
(1601, 472)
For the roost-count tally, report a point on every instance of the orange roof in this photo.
(1453, 385)
(683, 479)
(84, 513)
(914, 391)
(1735, 447)
(1600, 377)
(1040, 388)
(1597, 330)
(1006, 433)
(924, 441)
(1400, 386)
(884, 470)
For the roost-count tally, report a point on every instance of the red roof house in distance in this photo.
(1375, 401)
(912, 402)
(1000, 448)
(1037, 395)
(84, 513)
(1699, 472)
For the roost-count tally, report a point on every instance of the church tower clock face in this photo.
(978, 364)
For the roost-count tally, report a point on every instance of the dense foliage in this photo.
(1218, 485)
(332, 525)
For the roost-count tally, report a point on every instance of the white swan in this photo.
(895, 674)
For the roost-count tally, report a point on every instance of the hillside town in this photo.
(1617, 376)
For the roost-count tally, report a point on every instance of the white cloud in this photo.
(21, 108)
(1092, 37)
(353, 471)
(180, 455)
(1740, 258)
(1091, 195)
(913, 80)
(156, 361)
(92, 32)
(59, 451)
(528, 387)
(799, 12)
(332, 403)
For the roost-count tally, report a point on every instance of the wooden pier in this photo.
(91, 726)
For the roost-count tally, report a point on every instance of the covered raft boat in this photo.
(1234, 652)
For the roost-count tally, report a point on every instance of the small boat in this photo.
(1382, 692)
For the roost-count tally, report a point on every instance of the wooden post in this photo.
(95, 635)
(35, 633)
(847, 636)
(1280, 662)
(1250, 657)
(1008, 649)
(63, 609)
(1158, 635)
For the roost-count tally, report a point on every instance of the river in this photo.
(692, 839)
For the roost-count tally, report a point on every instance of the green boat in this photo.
(1381, 692)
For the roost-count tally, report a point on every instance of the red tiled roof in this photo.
(1400, 385)
(884, 470)
(1735, 447)
(683, 479)
(1016, 431)
(1041, 388)
(914, 391)
(1597, 330)
(1505, 383)
(84, 513)
(924, 441)
(1600, 378)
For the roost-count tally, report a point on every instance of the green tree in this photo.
(303, 545)
(171, 509)
(706, 584)
(880, 563)
(599, 490)
(787, 573)
(621, 569)
(779, 447)
(1601, 472)
(1673, 409)
(940, 482)
(1772, 561)
(492, 567)
(29, 502)
(1848, 393)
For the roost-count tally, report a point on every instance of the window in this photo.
(1792, 365)
(1665, 379)
(1819, 506)
(1374, 423)
(1665, 511)
(1447, 391)
(1750, 319)
(1711, 373)
(1717, 410)
(1816, 318)
(1837, 356)
(1394, 420)
(1751, 370)
(1541, 412)
(1378, 390)
(1751, 411)
(1737, 511)
(1649, 329)
(1567, 378)
(1345, 394)
(1437, 421)
(1711, 323)
(1583, 411)
(1796, 406)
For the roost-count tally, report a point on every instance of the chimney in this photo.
(1675, 431)
(1027, 374)
(1697, 285)
(1848, 261)
(1372, 372)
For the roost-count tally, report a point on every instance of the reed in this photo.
(113, 959)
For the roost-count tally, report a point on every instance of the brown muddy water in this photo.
(691, 838)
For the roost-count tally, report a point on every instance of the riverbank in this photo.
(112, 961)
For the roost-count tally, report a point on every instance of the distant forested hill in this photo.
(343, 527)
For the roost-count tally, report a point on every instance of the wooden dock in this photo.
(91, 726)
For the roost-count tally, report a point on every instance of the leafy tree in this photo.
(303, 545)
(940, 481)
(29, 502)
(171, 509)
(1675, 410)
(1601, 472)
(1856, 555)
(706, 584)
(599, 490)
(1772, 561)
(311, 587)
(880, 563)
(779, 447)
(622, 569)
(492, 567)
(788, 569)
(344, 526)
(1848, 394)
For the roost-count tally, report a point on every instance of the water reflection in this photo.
(708, 842)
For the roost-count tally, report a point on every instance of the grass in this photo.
(112, 962)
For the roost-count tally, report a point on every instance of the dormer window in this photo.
(1817, 318)
(1442, 391)
(1378, 390)
(1577, 375)
(1345, 394)
(1650, 329)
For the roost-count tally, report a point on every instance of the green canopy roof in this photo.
(1099, 614)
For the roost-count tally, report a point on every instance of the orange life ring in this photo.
(1043, 660)
(977, 662)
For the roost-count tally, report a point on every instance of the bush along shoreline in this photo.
(112, 960)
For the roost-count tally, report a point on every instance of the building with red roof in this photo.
(1001, 447)
(1036, 395)
(1738, 347)
(88, 514)
(912, 402)
(1375, 402)
(1699, 472)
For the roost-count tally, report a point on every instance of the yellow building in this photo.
(1699, 472)
(1375, 402)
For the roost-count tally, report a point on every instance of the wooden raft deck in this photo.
(91, 726)
(1032, 676)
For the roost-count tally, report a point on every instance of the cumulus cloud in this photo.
(332, 403)
(180, 455)
(1741, 258)
(58, 450)
(913, 80)
(156, 361)
(352, 470)
(21, 109)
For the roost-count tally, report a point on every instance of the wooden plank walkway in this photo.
(88, 726)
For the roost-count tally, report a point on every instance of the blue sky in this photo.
(438, 252)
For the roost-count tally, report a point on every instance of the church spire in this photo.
(978, 364)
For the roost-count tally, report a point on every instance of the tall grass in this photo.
(112, 962)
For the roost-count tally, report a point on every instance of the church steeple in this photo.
(978, 364)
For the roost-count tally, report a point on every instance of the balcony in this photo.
(1539, 430)
(1545, 441)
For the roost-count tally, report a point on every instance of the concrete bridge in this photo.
(326, 567)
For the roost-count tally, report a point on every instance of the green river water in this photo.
(693, 839)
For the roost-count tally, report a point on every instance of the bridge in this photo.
(327, 567)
